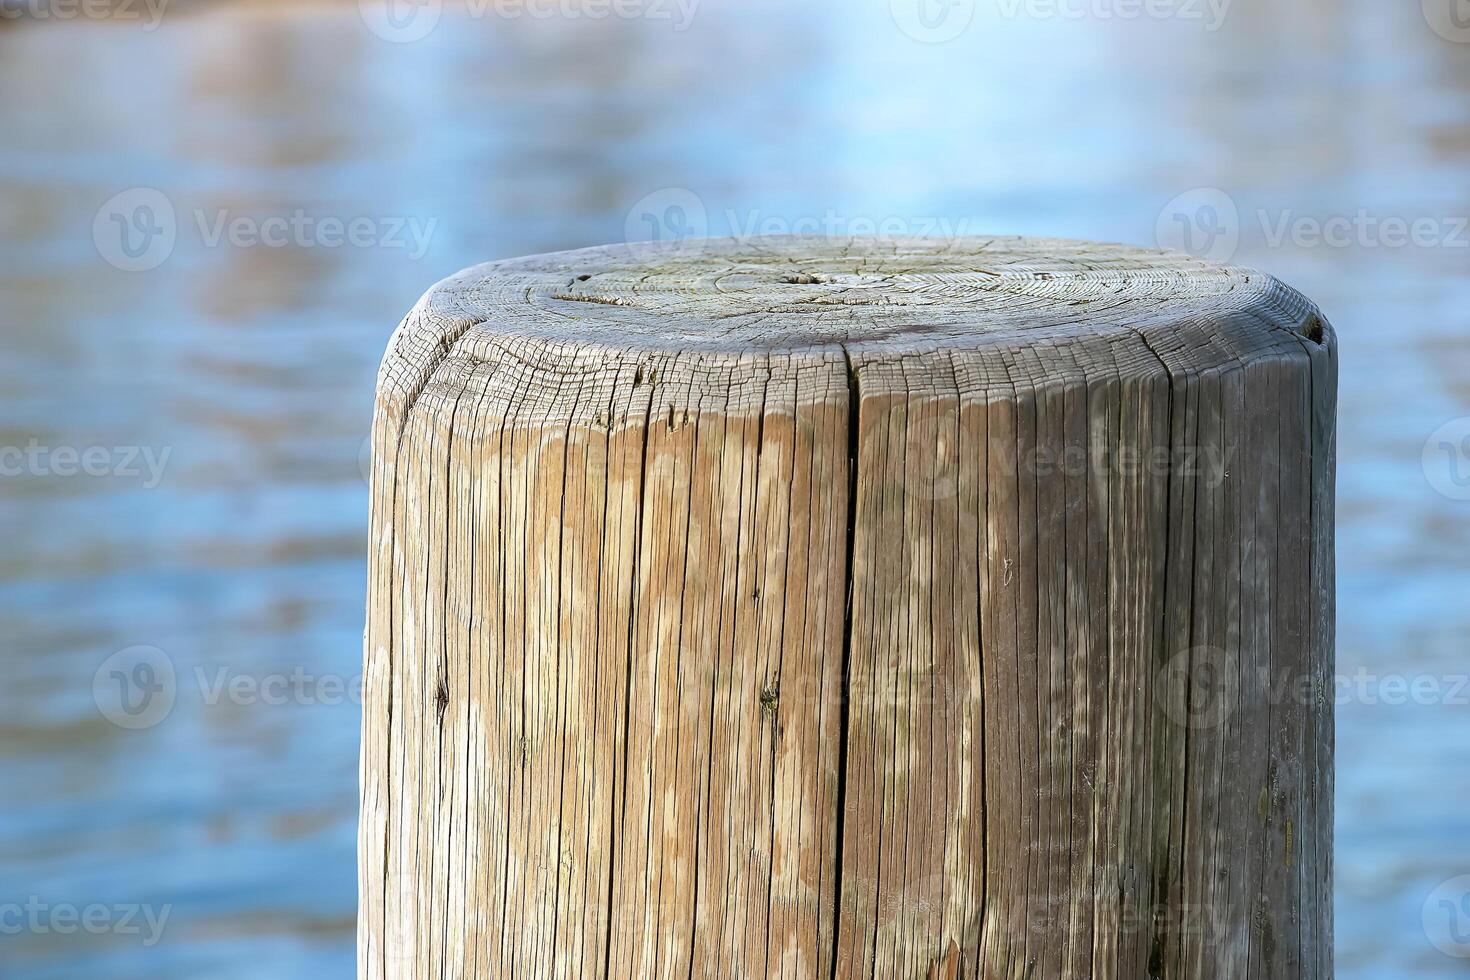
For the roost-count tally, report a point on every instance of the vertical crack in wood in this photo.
(854, 405)
(771, 690)
(628, 678)
(441, 690)
(561, 547)
(597, 659)
(505, 464)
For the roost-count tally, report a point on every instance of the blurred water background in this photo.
(244, 367)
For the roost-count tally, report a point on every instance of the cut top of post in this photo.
(1028, 310)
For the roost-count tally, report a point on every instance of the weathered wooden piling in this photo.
(874, 608)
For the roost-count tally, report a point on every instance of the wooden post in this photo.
(878, 608)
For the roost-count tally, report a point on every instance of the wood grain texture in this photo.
(872, 608)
